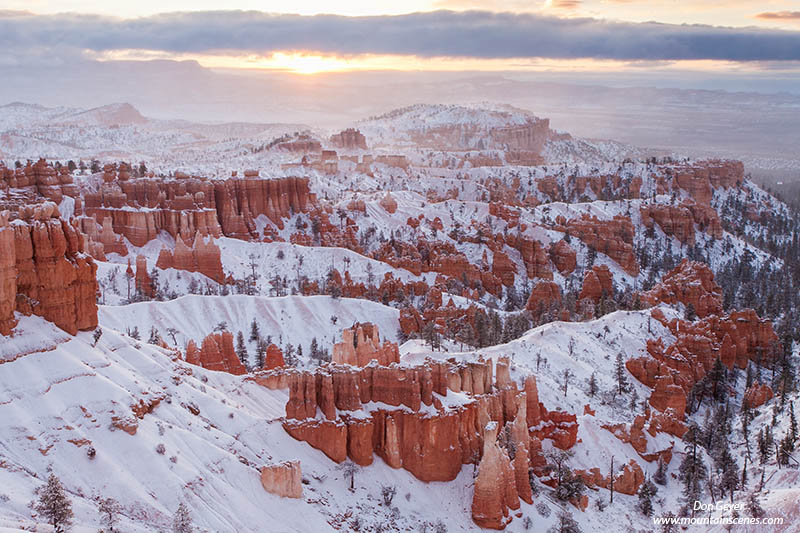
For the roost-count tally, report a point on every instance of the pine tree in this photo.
(155, 338)
(592, 385)
(660, 476)
(792, 423)
(646, 493)
(255, 334)
(55, 505)
(109, 510)
(261, 354)
(729, 472)
(565, 524)
(620, 373)
(182, 521)
(241, 349)
(753, 505)
(785, 449)
(717, 378)
(692, 470)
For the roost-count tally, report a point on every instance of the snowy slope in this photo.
(295, 319)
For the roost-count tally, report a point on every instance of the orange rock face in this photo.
(612, 237)
(734, 339)
(597, 282)
(349, 139)
(688, 283)
(274, 358)
(284, 479)
(143, 282)
(673, 220)
(503, 268)
(493, 495)
(431, 444)
(389, 203)
(187, 206)
(544, 296)
(45, 271)
(216, 353)
(698, 178)
(563, 257)
(8, 277)
(203, 257)
(757, 395)
(361, 344)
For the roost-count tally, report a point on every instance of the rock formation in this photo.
(186, 206)
(349, 139)
(563, 257)
(597, 283)
(203, 257)
(216, 353)
(361, 344)
(690, 283)
(274, 358)
(612, 237)
(757, 395)
(491, 499)
(45, 271)
(544, 296)
(284, 479)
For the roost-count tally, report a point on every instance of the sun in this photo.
(300, 63)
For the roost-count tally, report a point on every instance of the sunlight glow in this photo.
(310, 63)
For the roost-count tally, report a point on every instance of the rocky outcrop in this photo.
(495, 488)
(144, 285)
(504, 268)
(185, 206)
(597, 283)
(240, 201)
(733, 339)
(273, 358)
(203, 257)
(757, 395)
(45, 271)
(612, 237)
(563, 257)
(544, 296)
(673, 220)
(388, 203)
(216, 353)
(284, 479)
(626, 481)
(349, 139)
(8, 276)
(690, 283)
(534, 255)
(698, 178)
(361, 344)
(36, 183)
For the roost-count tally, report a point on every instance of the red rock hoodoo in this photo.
(45, 271)
(361, 344)
(216, 353)
(284, 479)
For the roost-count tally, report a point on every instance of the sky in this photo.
(313, 36)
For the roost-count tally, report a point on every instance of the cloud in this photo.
(567, 4)
(470, 34)
(780, 15)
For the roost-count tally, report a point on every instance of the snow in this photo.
(288, 319)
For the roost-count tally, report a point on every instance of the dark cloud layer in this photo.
(473, 34)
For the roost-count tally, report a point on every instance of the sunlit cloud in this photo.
(780, 15)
